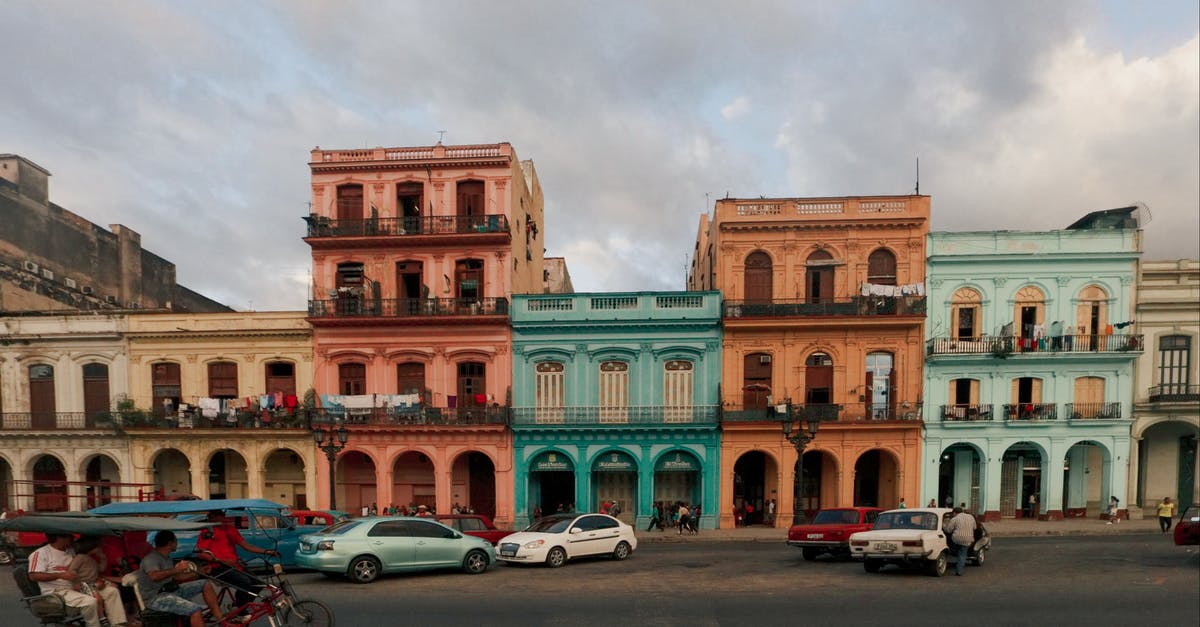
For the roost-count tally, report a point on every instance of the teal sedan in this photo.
(364, 548)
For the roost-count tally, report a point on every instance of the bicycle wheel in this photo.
(309, 612)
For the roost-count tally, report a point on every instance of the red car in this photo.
(476, 525)
(830, 529)
(1187, 530)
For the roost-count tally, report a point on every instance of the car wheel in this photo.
(475, 563)
(809, 554)
(622, 551)
(556, 557)
(6, 556)
(937, 567)
(871, 566)
(979, 557)
(364, 569)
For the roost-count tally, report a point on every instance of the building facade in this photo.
(823, 313)
(416, 253)
(1029, 367)
(615, 399)
(1166, 412)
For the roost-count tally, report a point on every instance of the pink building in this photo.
(416, 252)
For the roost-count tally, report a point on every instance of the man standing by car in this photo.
(961, 530)
(1166, 511)
(48, 567)
(220, 544)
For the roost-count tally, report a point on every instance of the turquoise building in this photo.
(615, 398)
(1029, 367)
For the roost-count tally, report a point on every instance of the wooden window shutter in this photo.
(974, 391)
(1036, 391)
(1016, 391)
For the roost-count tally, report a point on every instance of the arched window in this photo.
(818, 379)
(350, 203)
(1091, 314)
(1029, 314)
(966, 307)
(410, 378)
(550, 384)
(818, 277)
(881, 267)
(677, 390)
(758, 277)
(614, 391)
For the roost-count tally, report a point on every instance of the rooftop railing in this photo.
(854, 306)
(355, 307)
(615, 416)
(1005, 345)
(321, 226)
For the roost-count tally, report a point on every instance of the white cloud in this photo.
(736, 109)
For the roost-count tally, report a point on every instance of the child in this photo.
(88, 563)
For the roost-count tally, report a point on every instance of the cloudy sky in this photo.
(191, 122)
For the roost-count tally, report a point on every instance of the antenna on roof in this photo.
(441, 134)
(918, 192)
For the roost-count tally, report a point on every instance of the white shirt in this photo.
(48, 559)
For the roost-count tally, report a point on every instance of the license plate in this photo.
(508, 553)
(885, 547)
(815, 536)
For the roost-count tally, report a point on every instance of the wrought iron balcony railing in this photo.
(355, 307)
(854, 306)
(321, 226)
(704, 415)
(846, 412)
(1006, 345)
(966, 413)
(48, 421)
(1175, 393)
(1094, 411)
(1031, 411)
(415, 416)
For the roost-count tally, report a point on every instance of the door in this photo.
(818, 277)
(818, 379)
(392, 542)
(472, 384)
(468, 278)
(41, 396)
(164, 380)
(352, 379)
(95, 390)
(281, 377)
(436, 546)
(470, 208)
(756, 380)
(758, 278)
(410, 378)
(350, 204)
(598, 535)
(408, 286)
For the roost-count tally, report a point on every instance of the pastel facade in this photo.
(416, 253)
(1029, 367)
(798, 328)
(1166, 412)
(615, 398)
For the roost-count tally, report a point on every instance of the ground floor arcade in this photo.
(581, 469)
(1035, 471)
(59, 472)
(1163, 457)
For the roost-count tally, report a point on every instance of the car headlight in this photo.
(325, 545)
(535, 544)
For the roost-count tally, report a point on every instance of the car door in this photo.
(591, 539)
(436, 545)
(392, 542)
(608, 532)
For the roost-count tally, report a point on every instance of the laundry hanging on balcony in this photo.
(910, 289)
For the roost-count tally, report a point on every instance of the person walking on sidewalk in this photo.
(1114, 512)
(961, 530)
(654, 514)
(1166, 511)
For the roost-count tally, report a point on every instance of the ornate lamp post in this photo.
(331, 441)
(799, 440)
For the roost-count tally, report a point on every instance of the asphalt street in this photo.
(1132, 579)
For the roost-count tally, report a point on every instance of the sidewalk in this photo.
(1001, 529)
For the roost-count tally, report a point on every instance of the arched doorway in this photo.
(818, 489)
(758, 277)
(551, 483)
(754, 484)
(99, 472)
(6, 486)
(875, 474)
(49, 485)
(677, 478)
(355, 481)
(413, 482)
(818, 277)
(818, 379)
(960, 477)
(614, 479)
(1087, 480)
(1167, 464)
(172, 473)
(227, 476)
(473, 483)
(284, 479)
(1022, 493)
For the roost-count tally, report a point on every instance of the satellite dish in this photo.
(1143, 211)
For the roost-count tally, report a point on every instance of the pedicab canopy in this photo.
(96, 525)
(172, 508)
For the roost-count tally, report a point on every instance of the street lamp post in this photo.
(800, 440)
(331, 441)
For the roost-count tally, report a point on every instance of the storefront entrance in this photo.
(614, 479)
(677, 479)
(551, 483)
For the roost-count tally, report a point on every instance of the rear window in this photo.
(339, 529)
(836, 517)
(550, 525)
(907, 520)
(471, 524)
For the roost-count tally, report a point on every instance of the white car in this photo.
(913, 537)
(555, 539)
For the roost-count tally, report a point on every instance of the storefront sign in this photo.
(677, 462)
(551, 462)
(614, 462)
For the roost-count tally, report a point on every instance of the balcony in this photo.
(359, 309)
(966, 413)
(1006, 345)
(404, 231)
(281, 419)
(51, 421)
(1175, 393)
(642, 415)
(854, 306)
(417, 416)
(1094, 411)
(1030, 412)
(847, 413)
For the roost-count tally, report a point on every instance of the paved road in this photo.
(1130, 579)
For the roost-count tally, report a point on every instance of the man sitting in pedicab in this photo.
(219, 546)
(173, 588)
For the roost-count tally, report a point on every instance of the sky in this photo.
(192, 122)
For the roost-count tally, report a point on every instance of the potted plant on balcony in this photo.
(1001, 349)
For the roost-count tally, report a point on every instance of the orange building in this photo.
(416, 252)
(823, 317)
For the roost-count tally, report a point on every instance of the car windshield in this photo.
(550, 525)
(836, 517)
(907, 520)
(339, 528)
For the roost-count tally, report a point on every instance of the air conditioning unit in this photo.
(87, 289)
(112, 300)
(69, 282)
(764, 359)
(133, 304)
(47, 273)
(30, 266)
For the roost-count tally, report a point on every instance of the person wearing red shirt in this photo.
(219, 545)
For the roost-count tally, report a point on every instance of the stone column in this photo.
(992, 480)
(1051, 498)
(1077, 482)
(199, 481)
(254, 480)
(645, 504)
(383, 483)
(443, 481)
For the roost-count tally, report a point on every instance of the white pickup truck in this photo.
(913, 537)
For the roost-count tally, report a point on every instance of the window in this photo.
(222, 379)
(677, 390)
(1029, 313)
(352, 379)
(1174, 363)
(549, 390)
(881, 267)
(422, 529)
(879, 385)
(818, 379)
(468, 274)
(41, 395)
(470, 524)
(472, 384)
(281, 377)
(965, 308)
(350, 202)
(410, 378)
(1027, 390)
(756, 380)
(614, 391)
(589, 523)
(758, 277)
(818, 277)
(95, 390)
(408, 203)
(390, 529)
(164, 382)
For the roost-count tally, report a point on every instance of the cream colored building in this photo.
(1166, 424)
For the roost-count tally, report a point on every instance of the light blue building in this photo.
(1029, 367)
(615, 398)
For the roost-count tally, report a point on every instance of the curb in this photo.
(713, 538)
